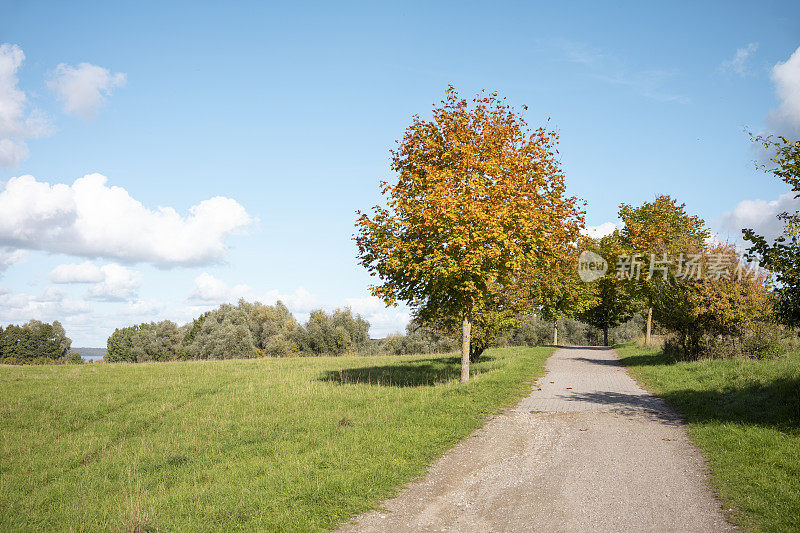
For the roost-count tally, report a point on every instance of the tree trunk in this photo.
(466, 327)
(605, 335)
(555, 334)
(475, 351)
(649, 326)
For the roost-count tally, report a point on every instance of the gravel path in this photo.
(588, 450)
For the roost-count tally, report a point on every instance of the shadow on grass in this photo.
(774, 404)
(415, 373)
(770, 403)
(646, 360)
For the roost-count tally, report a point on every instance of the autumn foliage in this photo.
(712, 314)
(479, 200)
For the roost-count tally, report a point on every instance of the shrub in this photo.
(224, 335)
(74, 358)
(538, 332)
(715, 316)
(335, 333)
(761, 342)
(420, 339)
(231, 331)
(154, 341)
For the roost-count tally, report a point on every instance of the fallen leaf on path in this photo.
(666, 438)
(569, 388)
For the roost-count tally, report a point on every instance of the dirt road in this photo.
(589, 451)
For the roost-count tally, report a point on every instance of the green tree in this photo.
(34, 341)
(156, 341)
(479, 199)
(225, 334)
(782, 255)
(230, 331)
(615, 301)
(119, 346)
(555, 289)
(420, 338)
(659, 230)
(335, 333)
(10, 342)
(273, 328)
(499, 310)
(707, 310)
(74, 358)
(194, 328)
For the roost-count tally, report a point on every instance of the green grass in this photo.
(745, 416)
(268, 444)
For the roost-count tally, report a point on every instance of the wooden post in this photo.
(649, 326)
(555, 334)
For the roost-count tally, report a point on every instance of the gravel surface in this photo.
(588, 450)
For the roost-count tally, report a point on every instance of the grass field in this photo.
(267, 444)
(745, 415)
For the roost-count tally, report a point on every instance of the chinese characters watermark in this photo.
(684, 266)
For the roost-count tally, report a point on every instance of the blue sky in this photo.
(265, 127)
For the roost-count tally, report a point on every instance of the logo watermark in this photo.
(716, 266)
(591, 266)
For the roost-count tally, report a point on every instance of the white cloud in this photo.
(786, 77)
(10, 256)
(300, 301)
(110, 283)
(383, 324)
(147, 309)
(12, 152)
(91, 219)
(119, 284)
(365, 306)
(209, 289)
(606, 228)
(738, 63)
(50, 294)
(49, 305)
(16, 123)
(86, 272)
(83, 88)
(382, 320)
(760, 215)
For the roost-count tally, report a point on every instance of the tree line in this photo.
(249, 330)
(244, 330)
(479, 238)
(701, 293)
(35, 342)
(476, 234)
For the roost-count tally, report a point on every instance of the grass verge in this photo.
(268, 444)
(744, 414)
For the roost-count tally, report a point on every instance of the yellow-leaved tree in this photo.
(659, 231)
(479, 200)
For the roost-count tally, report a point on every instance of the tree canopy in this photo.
(34, 342)
(479, 198)
(614, 298)
(782, 255)
(659, 231)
